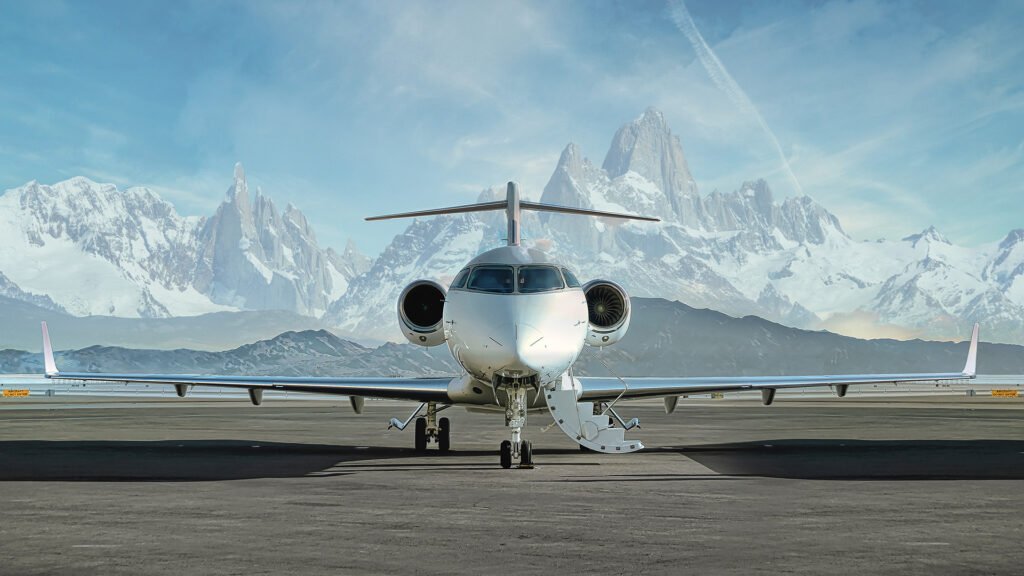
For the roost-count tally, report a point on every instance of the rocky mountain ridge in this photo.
(91, 249)
(742, 252)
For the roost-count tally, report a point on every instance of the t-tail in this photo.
(513, 206)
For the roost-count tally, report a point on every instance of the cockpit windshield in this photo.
(539, 279)
(570, 279)
(497, 279)
(460, 280)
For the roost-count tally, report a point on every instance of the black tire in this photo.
(506, 454)
(421, 434)
(444, 428)
(526, 454)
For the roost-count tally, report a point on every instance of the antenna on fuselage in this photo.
(513, 207)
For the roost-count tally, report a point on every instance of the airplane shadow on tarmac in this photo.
(864, 459)
(179, 460)
(205, 460)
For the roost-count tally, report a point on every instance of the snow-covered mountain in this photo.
(253, 257)
(740, 252)
(91, 249)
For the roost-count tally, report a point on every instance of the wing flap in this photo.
(608, 389)
(418, 389)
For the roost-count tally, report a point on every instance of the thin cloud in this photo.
(721, 77)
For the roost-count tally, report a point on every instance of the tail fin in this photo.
(50, 366)
(512, 206)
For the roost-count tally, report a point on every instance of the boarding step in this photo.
(593, 431)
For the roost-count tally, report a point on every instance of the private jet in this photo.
(516, 321)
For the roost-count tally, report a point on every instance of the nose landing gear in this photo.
(515, 419)
(524, 452)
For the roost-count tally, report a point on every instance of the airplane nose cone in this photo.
(523, 355)
(527, 352)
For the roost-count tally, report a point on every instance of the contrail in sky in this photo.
(720, 76)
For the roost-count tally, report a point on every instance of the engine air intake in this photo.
(423, 305)
(607, 312)
(421, 311)
(605, 306)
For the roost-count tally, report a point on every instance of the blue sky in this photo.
(894, 115)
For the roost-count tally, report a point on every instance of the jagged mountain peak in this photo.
(123, 247)
(652, 115)
(571, 158)
(492, 194)
(79, 185)
(134, 255)
(1007, 267)
(572, 180)
(928, 235)
(759, 191)
(647, 147)
(1012, 239)
(255, 257)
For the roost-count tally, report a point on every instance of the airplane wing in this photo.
(609, 389)
(417, 389)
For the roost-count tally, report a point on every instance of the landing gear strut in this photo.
(430, 428)
(515, 419)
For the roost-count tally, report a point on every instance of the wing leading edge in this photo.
(436, 389)
(417, 389)
(607, 389)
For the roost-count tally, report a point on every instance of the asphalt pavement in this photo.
(307, 487)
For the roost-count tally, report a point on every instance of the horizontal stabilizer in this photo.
(513, 207)
(502, 205)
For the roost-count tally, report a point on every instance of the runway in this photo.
(199, 487)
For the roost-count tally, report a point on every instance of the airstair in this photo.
(579, 422)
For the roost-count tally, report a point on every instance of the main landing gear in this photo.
(515, 419)
(440, 433)
(428, 428)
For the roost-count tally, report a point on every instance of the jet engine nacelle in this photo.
(607, 311)
(420, 312)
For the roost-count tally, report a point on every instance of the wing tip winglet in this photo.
(50, 365)
(971, 367)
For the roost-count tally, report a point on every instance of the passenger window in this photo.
(497, 279)
(460, 280)
(538, 279)
(570, 279)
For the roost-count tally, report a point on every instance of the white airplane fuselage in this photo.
(514, 335)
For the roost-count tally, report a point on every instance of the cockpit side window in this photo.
(497, 279)
(460, 280)
(570, 279)
(538, 279)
